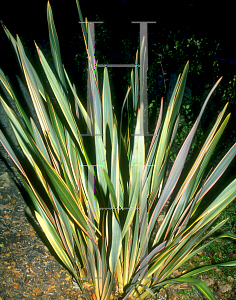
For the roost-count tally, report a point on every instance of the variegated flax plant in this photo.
(98, 195)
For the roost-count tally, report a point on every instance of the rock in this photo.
(46, 248)
(230, 279)
(5, 177)
(176, 273)
(217, 270)
(224, 287)
(209, 281)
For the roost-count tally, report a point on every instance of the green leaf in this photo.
(52, 237)
(55, 49)
(116, 244)
(63, 103)
(107, 107)
(11, 93)
(231, 263)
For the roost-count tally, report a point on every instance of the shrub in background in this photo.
(92, 192)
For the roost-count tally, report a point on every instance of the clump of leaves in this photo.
(94, 193)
